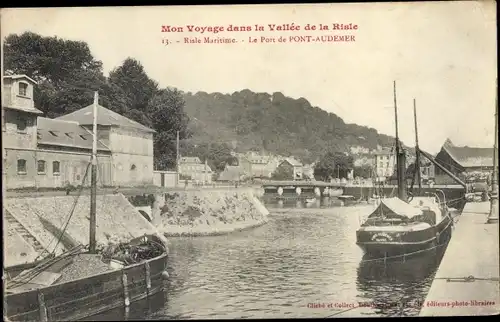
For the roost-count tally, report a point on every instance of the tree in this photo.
(166, 110)
(282, 173)
(220, 155)
(325, 168)
(68, 75)
(333, 165)
(131, 78)
(66, 72)
(364, 171)
(48, 58)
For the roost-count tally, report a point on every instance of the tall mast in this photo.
(417, 152)
(399, 156)
(493, 216)
(93, 180)
(177, 160)
(396, 119)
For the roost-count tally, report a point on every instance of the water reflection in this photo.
(397, 287)
(323, 202)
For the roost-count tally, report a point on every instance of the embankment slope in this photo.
(117, 220)
(208, 212)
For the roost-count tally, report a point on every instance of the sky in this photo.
(442, 54)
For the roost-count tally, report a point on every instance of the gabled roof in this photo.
(469, 157)
(66, 134)
(18, 76)
(84, 116)
(293, 162)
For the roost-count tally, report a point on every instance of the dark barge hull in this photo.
(82, 298)
(412, 243)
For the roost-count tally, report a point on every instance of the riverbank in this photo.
(41, 221)
(207, 212)
(467, 281)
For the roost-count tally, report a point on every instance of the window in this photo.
(21, 124)
(132, 167)
(69, 135)
(53, 133)
(23, 89)
(21, 166)
(56, 168)
(41, 167)
(381, 164)
(83, 138)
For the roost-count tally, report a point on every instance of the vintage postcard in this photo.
(250, 161)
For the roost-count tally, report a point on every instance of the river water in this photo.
(302, 263)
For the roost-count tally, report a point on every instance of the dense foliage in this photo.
(333, 165)
(275, 123)
(364, 171)
(68, 74)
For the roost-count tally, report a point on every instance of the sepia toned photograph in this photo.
(250, 161)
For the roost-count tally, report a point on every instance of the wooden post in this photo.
(177, 160)
(42, 307)
(148, 277)
(493, 216)
(417, 153)
(400, 158)
(125, 289)
(93, 182)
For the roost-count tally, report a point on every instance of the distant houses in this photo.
(292, 166)
(191, 168)
(256, 165)
(385, 162)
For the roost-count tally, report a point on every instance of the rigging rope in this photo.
(73, 209)
(65, 225)
(469, 278)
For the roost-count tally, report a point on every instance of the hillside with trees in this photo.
(210, 126)
(275, 123)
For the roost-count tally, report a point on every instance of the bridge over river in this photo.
(455, 194)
